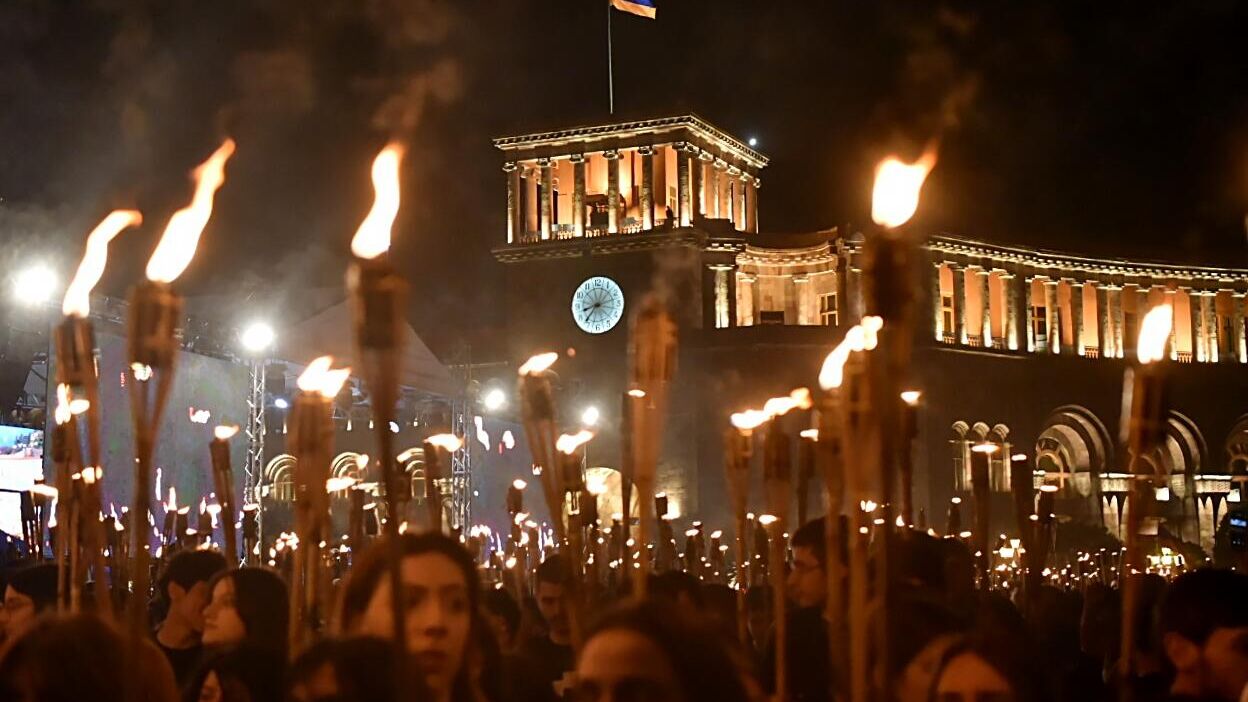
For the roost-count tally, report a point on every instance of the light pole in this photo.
(257, 339)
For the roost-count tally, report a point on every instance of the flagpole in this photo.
(610, 67)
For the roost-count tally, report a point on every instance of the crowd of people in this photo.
(221, 634)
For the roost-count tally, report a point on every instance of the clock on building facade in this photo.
(598, 305)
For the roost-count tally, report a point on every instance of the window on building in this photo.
(1225, 335)
(946, 314)
(771, 317)
(1040, 322)
(828, 314)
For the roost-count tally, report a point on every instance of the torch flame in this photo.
(749, 419)
(78, 295)
(637, 393)
(812, 434)
(539, 363)
(860, 337)
(447, 442)
(569, 443)
(62, 412)
(224, 432)
(372, 239)
(767, 519)
(318, 378)
(798, 399)
(177, 245)
(911, 397)
(897, 185)
(519, 484)
(336, 484)
(1154, 332)
(361, 462)
(44, 490)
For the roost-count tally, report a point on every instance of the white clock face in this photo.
(598, 305)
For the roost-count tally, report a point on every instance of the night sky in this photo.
(1107, 128)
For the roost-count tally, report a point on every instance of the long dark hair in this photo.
(263, 605)
(704, 668)
(366, 576)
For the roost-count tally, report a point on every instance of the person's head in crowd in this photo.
(248, 605)
(353, 669)
(758, 608)
(920, 562)
(680, 588)
(957, 572)
(184, 588)
(502, 613)
(1204, 629)
(238, 674)
(652, 651)
(985, 666)
(720, 609)
(29, 591)
(1100, 622)
(441, 594)
(808, 580)
(922, 628)
(552, 598)
(81, 657)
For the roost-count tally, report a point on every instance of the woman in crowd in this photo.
(981, 667)
(249, 606)
(81, 657)
(442, 625)
(29, 592)
(238, 674)
(651, 651)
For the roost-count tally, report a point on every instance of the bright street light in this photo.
(590, 416)
(494, 400)
(34, 285)
(257, 337)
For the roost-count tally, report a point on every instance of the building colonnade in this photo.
(1009, 299)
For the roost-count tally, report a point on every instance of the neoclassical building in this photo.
(1020, 347)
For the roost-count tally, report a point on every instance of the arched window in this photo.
(1237, 449)
(279, 477)
(1074, 448)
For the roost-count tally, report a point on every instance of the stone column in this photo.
(938, 306)
(647, 187)
(725, 190)
(853, 280)
(1209, 315)
(712, 189)
(1197, 321)
(739, 201)
(697, 205)
(985, 307)
(959, 303)
(578, 194)
(751, 206)
(1010, 283)
(1171, 295)
(682, 185)
(513, 202)
(1103, 331)
(547, 195)
(532, 209)
(1076, 316)
(1115, 309)
(803, 293)
(1029, 312)
(746, 282)
(1239, 349)
(1053, 318)
(613, 191)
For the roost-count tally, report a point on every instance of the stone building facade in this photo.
(1020, 347)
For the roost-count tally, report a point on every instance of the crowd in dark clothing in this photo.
(222, 635)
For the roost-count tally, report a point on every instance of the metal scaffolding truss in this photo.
(253, 467)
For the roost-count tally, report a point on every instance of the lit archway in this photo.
(1074, 448)
(279, 477)
(1237, 448)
